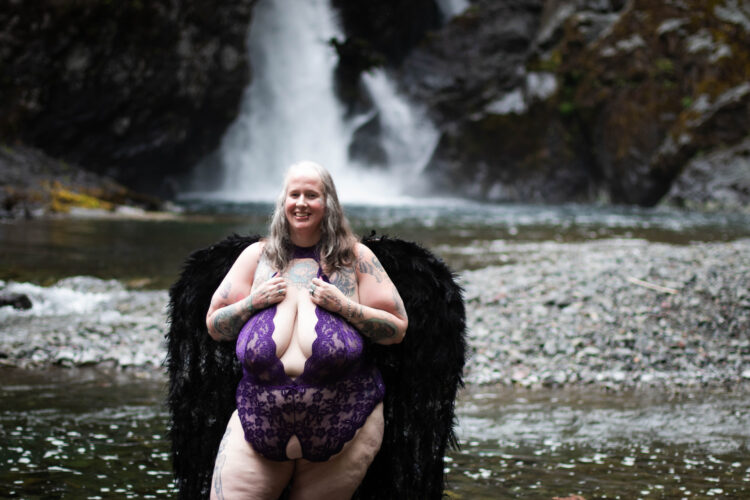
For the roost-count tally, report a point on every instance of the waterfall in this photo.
(451, 8)
(290, 112)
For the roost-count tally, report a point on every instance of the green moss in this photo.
(62, 199)
(566, 108)
(551, 63)
(664, 65)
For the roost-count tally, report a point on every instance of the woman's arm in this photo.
(233, 303)
(379, 314)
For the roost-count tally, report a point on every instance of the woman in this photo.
(309, 406)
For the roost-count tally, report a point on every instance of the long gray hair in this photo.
(336, 240)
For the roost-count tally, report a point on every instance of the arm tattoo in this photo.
(229, 320)
(373, 267)
(377, 329)
(374, 328)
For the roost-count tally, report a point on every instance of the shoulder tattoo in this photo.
(345, 279)
(372, 267)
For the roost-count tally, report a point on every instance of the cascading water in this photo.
(290, 112)
(451, 8)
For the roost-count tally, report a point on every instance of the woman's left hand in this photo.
(328, 296)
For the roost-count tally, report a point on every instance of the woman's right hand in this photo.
(268, 293)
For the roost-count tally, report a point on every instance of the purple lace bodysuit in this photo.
(325, 405)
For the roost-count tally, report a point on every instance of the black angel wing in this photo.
(203, 373)
(422, 374)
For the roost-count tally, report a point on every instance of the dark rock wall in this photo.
(135, 89)
(667, 80)
(582, 99)
(535, 100)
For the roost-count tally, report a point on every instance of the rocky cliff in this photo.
(134, 89)
(625, 101)
(622, 101)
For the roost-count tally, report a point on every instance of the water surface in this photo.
(91, 433)
(86, 433)
(150, 252)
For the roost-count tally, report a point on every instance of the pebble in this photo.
(578, 313)
(553, 315)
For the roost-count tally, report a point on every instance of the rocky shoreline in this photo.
(614, 314)
(33, 184)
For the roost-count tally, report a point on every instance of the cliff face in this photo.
(134, 89)
(630, 101)
(581, 100)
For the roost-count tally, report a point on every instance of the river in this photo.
(97, 432)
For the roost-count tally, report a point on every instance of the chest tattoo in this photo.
(302, 272)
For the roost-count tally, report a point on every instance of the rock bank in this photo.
(612, 313)
(562, 100)
(615, 314)
(33, 184)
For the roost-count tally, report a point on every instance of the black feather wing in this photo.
(203, 373)
(422, 374)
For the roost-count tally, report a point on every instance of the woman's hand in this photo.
(268, 293)
(329, 297)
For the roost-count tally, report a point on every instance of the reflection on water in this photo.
(599, 445)
(83, 434)
(89, 434)
(150, 252)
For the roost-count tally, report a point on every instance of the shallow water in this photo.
(600, 445)
(149, 252)
(85, 433)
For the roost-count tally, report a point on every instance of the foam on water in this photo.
(83, 320)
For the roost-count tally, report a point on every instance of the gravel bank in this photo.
(83, 321)
(616, 314)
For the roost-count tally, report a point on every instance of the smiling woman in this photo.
(299, 306)
(304, 205)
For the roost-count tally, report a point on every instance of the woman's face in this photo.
(304, 204)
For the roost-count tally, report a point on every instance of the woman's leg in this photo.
(242, 473)
(339, 476)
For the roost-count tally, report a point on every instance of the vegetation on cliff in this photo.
(605, 100)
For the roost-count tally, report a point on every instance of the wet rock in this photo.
(15, 300)
(717, 181)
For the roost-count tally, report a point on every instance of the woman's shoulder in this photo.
(252, 253)
(361, 251)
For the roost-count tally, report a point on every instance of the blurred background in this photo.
(582, 165)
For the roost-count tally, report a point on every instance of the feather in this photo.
(422, 374)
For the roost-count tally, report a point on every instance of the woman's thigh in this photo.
(242, 473)
(339, 476)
